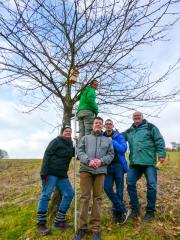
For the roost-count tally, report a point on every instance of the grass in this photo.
(20, 190)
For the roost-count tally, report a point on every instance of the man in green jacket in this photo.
(87, 109)
(95, 152)
(146, 144)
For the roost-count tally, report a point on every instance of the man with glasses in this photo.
(146, 144)
(115, 173)
(87, 109)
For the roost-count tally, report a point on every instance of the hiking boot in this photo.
(80, 234)
(135, 212)
(43, 230)
(149, 216)
(97, 236)
(122, 217)
(62, 225)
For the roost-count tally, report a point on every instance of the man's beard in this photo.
(97, 131)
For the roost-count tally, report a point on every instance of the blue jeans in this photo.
(134, 174)
(115, 175)
(64, 187)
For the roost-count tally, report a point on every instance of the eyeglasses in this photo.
(108, 124)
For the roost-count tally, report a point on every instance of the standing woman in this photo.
(53, 173)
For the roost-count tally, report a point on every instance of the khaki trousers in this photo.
(85, 118)
(90, 182)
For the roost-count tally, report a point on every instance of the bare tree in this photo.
(42, 41)
(3, 154)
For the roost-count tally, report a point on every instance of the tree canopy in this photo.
(42, 41)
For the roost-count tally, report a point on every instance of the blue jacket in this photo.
(120, 147)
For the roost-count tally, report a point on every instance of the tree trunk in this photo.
(54, 205)
(67, 115)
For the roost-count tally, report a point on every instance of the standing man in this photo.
(146, 144)
(95, 152)
(115, 173)
(53, 173)
(87, 109)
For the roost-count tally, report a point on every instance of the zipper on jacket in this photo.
(96, 148)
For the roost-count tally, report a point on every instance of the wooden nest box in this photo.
(74, 73)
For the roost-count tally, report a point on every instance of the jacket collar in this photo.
(114, 133)
(94, 133)
(106, 135)
(65, 139)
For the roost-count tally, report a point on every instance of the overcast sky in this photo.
(27, 135)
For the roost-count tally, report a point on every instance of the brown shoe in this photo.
(43, 230)
(62, 225)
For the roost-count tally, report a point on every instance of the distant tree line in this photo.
(3, 154)
(175, 147)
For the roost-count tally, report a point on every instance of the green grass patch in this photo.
(15, 221)
(20, 191)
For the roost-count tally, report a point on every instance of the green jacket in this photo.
(145, 144)
(88, 100)
(57, 157)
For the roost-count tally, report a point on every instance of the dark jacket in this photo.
(57, 157)
(91, 147)
(120, 147)
(145, 144)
